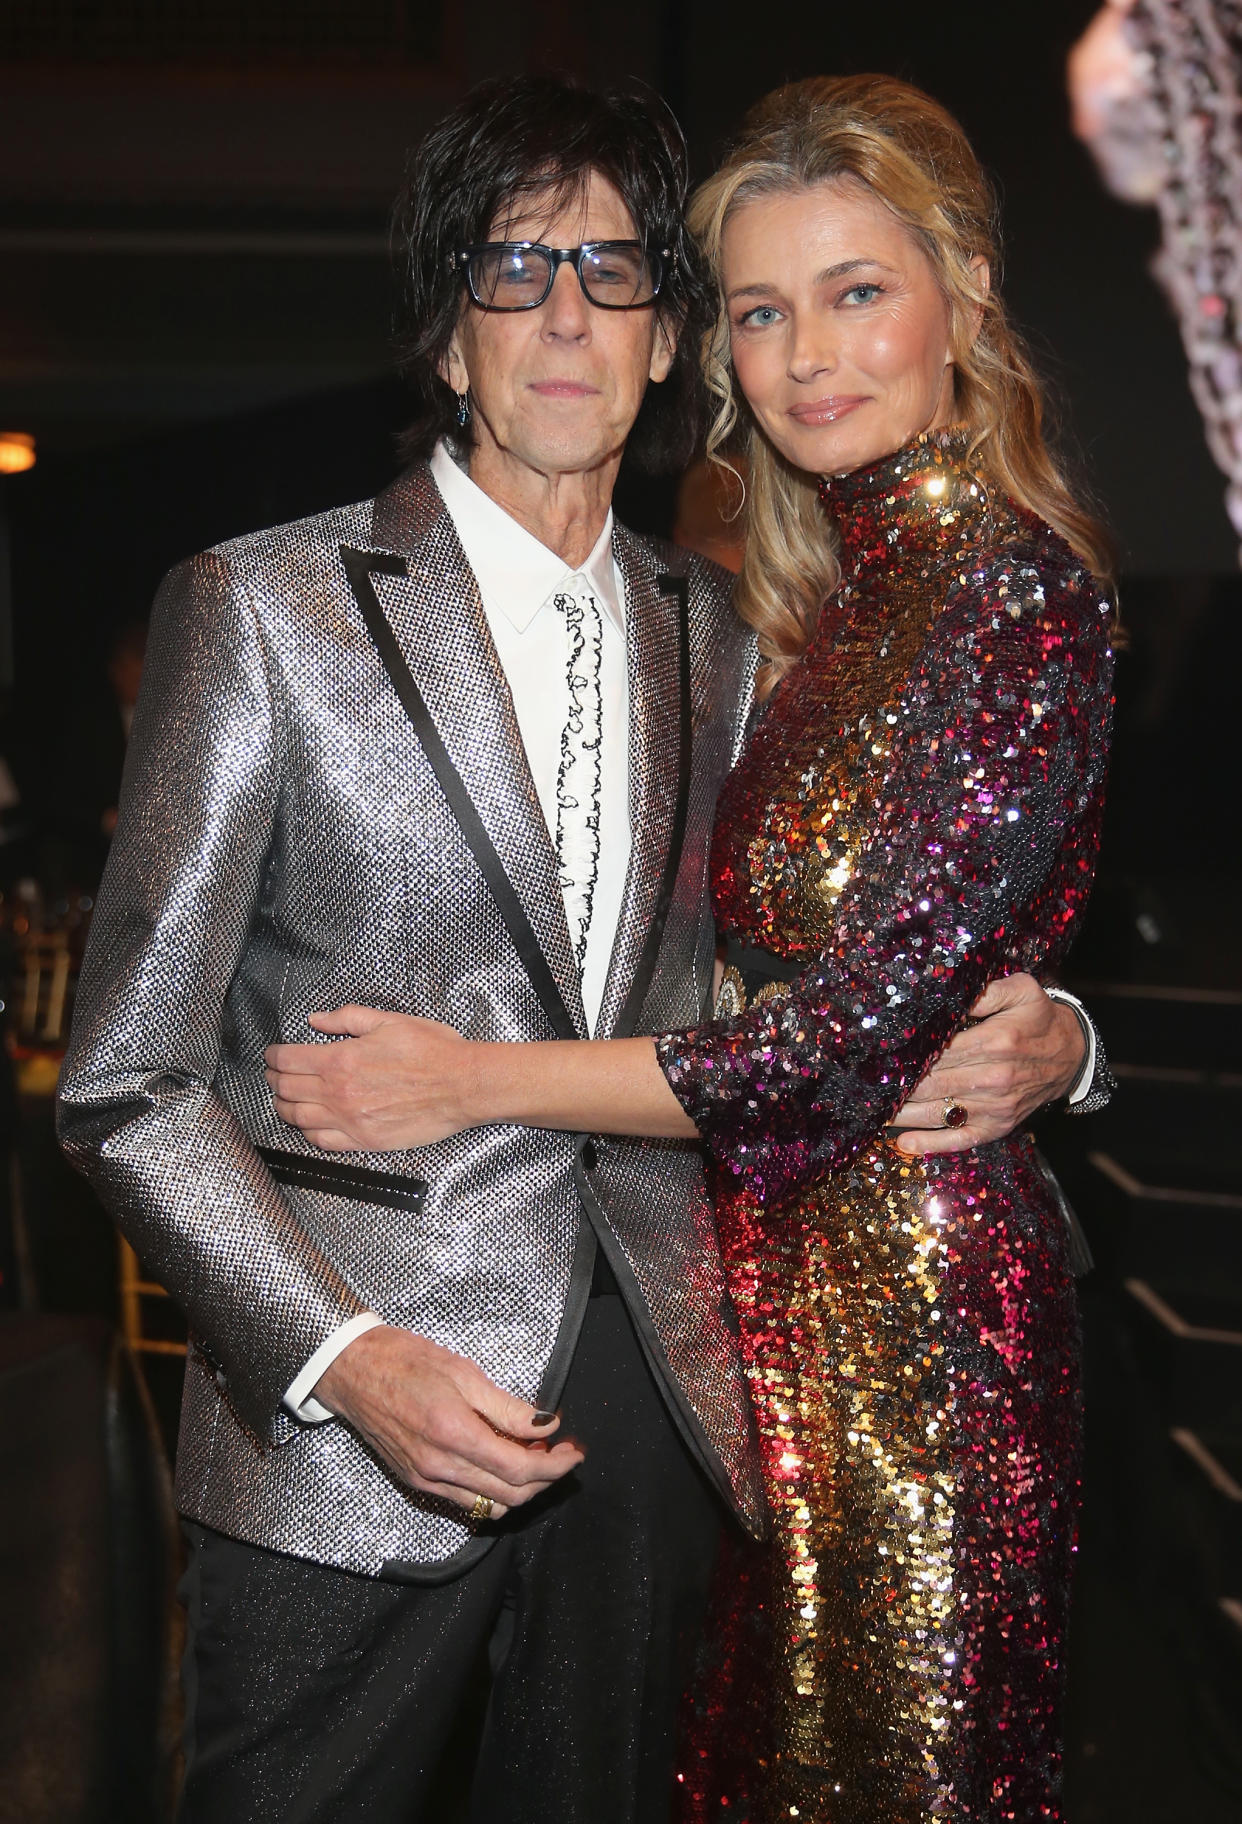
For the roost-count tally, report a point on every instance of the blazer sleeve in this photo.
(137, 1111)
(999, 749)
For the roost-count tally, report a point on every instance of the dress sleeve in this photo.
(998, 753)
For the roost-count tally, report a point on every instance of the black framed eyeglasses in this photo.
(518, 275)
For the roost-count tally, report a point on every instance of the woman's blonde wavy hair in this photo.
(912, 155)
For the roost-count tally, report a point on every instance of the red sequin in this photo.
(917, 812)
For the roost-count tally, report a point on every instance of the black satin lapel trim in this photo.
(359, 566)
(581, 1271)
(627, 1019)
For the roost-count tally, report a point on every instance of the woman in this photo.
(920, 801)
(917, 811)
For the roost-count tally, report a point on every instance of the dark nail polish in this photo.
(543, 1418)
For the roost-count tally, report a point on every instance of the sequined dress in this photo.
(916, 812)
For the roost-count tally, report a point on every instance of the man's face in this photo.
(556, 390)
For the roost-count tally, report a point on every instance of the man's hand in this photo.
(398, 1082)
(1025, 1050)
(440, 1425)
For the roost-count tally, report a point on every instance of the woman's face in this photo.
(840, 334)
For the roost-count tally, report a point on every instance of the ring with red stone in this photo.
(956, 1114)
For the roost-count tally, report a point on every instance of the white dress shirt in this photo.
(1086, 1076)
(517, 578)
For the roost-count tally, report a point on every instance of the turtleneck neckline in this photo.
(923, 496)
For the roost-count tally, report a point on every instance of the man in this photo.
(453, 752)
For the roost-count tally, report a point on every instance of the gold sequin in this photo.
(917, 811)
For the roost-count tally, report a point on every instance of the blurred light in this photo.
(17, 452)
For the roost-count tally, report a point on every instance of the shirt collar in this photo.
(517, 574)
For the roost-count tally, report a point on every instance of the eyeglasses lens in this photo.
(619, 277)
(519, 278)
(509, 278)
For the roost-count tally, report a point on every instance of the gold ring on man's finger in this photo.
(955, 1114)
(482, 1509)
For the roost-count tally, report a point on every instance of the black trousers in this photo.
(315, 1696)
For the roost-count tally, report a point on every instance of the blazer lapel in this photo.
(657, 646)
(436, 618)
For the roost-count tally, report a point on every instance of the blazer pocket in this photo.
(394, 1189)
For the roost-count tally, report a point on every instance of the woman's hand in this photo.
(395, 1082)
(399, 1082)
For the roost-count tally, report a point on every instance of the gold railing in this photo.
(44, 969)
(132, 1290)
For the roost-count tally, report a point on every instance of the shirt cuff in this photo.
(298, 1394)
(1082, 1083)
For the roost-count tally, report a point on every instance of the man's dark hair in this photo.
(514, 138)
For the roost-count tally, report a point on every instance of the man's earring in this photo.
(463, 408)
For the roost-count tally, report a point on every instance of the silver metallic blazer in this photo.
(326, 801)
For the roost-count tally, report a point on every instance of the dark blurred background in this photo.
(194, 315)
